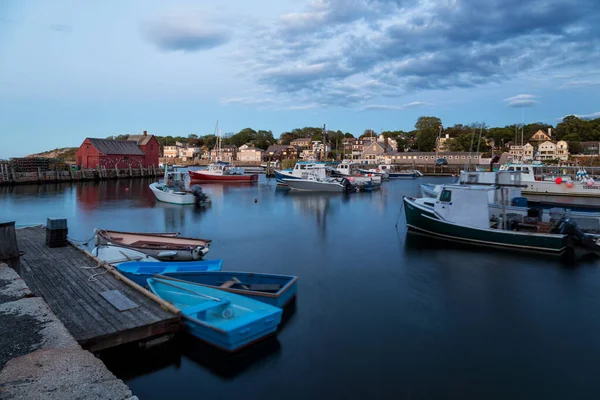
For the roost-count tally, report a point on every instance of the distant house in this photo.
(249, 153)
(540, 136)
(562, 150)
(109, 153)
(171, 151)
(546, 151)
(280, 152)
(303, 143)
(227, 153)
(373, 151)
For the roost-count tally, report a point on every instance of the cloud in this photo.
(183, 33)
(246, 100)
(582, 116)
(302, 107)
(397, 107)
(521, 100)
(408, 46)
(61, 28)
(575, 84)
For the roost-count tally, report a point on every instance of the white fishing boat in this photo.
(535, 181)
(175, 189)
(302, 170)
(314, 183)
(349, 169)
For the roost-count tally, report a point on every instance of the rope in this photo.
(81, 241)
(92, 278)
(400, 212)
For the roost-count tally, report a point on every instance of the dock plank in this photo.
(61, 276)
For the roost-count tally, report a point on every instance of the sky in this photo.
(71, 69)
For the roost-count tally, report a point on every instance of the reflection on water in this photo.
(177, 217)
(374, 302)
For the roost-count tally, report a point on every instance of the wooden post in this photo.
(141, 170)
(98, 171)
(14, 174)
(40, 174)
(130, 171)
(117, 171)
(9, 249)
(71, 173)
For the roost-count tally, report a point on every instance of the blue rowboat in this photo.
(225, 320)
(273, 289)
(139, 271)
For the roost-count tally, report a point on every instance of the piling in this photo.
(9, 249)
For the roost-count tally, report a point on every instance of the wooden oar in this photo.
(240, 283)
(187, 290)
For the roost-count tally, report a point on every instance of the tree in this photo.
(348, 135)
(427, 132)
(192, 136)
(368, 133)
(575, 147)
(264, 139)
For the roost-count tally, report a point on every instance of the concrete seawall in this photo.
(39, 359)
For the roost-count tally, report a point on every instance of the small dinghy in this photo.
(164, 247)
(139, 272)
(273, 289)
(225, 320)
(114, 255)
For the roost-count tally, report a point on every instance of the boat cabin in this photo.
(467, 205)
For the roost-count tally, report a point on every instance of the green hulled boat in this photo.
(462, 213)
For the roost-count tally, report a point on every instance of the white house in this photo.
(562, 150)
(171, 151)
(546, 151)
(249, 153)
(528, 152)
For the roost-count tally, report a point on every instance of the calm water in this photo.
(380, 314)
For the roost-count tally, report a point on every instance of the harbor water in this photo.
(380, 313)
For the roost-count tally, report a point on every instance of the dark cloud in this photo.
(184, 35)
(411, 46)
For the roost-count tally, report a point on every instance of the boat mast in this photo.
(325, 142)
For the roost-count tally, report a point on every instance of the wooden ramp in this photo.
(101, 311)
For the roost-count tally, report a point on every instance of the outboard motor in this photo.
(200, 196)
(348, 185)
(568, 227)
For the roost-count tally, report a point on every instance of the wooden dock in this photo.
(74, 287)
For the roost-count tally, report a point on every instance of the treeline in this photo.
(475, 136)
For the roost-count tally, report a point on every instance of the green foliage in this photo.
(314, 133)
(575, 147)
(587, 130)
(427, 132)
(368, 133)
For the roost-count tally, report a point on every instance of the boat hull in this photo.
(403, 175)
(158, 246)
(306, 185)
(172, 198)
(225, 320)
(426, 221)
(287, 285)
(114, 254)
(206, 176)
(139, 272)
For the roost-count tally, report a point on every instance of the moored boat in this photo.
(163, 248)
(139, 272)
(315, 184)
(301, 170)
(223, 319)
(174, 189)
(276, 290)
(462, 213)
(222, 172)
(115, 254)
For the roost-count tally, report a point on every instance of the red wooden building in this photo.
(109, 153)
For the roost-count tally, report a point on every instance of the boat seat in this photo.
(228, 284)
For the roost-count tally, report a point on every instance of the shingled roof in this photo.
(121, 147)
(141, 139)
